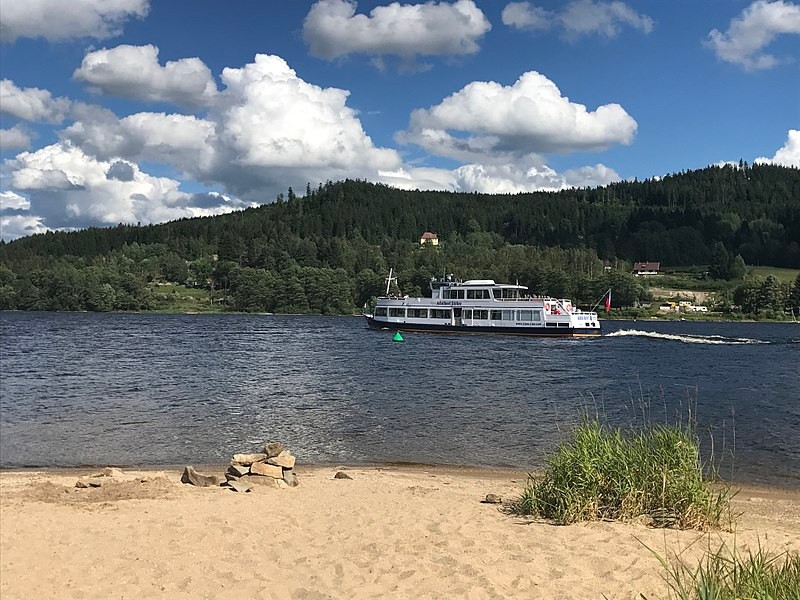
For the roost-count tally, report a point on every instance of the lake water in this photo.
(131, 389)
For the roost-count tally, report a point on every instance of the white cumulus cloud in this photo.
(527, 176)
(489, 121)
(603, 18)
(267, 130)
(183, 141)
(787, 155)
(332, 29)
(15, 138)
(580, 17)
(16, 226)
(134, 72)
(67, 188)
(590, 176)
(12, 201)
(752, 31)
(512, 179)
(32, 104)
(15, 221)
(57, 20)
(272, 118)
(524, 15)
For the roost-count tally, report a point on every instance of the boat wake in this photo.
(686, 339)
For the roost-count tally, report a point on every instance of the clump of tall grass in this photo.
(603, 473)
(727, 574)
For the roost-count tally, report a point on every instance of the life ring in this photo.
(547, 306)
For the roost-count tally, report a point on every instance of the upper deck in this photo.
(476, 289)
(482, 293)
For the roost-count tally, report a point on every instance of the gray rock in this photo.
(239, 486)
(492, 499)
(248, 459)
(231, 477)
(109, 472)
(341, 475)
(265, 470)
(284, 459)
(290, 478)
(262, 481)
(273, 449)
(239, 470)
(194, 478)
(88, 483)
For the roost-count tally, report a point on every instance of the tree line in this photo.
(329, 250)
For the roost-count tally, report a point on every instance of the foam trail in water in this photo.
(686, 339)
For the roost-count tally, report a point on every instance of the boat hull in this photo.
(560, 332)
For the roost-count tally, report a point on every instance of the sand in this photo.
(390, 532)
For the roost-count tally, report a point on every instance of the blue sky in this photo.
(150, 110)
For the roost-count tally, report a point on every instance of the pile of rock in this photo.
(273, 466)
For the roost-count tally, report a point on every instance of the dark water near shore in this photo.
(92, 389)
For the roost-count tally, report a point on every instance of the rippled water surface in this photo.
(82, 389)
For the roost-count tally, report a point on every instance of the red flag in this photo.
(608, 301)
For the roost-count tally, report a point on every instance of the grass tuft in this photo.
(727, 574)
(653, 474)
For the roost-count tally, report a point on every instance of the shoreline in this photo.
(399, 531)
(477, 471)
(656, 319)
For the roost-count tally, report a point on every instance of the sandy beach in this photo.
(389, 532)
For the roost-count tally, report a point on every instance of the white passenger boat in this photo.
(482, 306)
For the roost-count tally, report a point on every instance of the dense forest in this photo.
(328, 251)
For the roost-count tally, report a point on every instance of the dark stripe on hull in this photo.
(524, 331)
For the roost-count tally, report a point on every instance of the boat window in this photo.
(466, 314)
(458, 294)
(551, 324)
(380, 312)
(497, 315)
(440, 313)
(478, 295)
(526, 315)
(563, 324)
(419, 313)
(480, 314)
(537, 315)
(397, 312)
(507, 293)
(508, 315)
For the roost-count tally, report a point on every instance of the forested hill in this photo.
(329, 251)
(753, 210)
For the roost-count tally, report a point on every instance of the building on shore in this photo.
(646, 268)
(429, 238)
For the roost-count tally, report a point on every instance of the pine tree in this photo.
(794, 296)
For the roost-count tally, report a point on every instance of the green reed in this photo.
(727, 574)
(654, 473)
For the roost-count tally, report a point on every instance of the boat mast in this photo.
(389, 281)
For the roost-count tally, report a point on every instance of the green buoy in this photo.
(397, 337)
